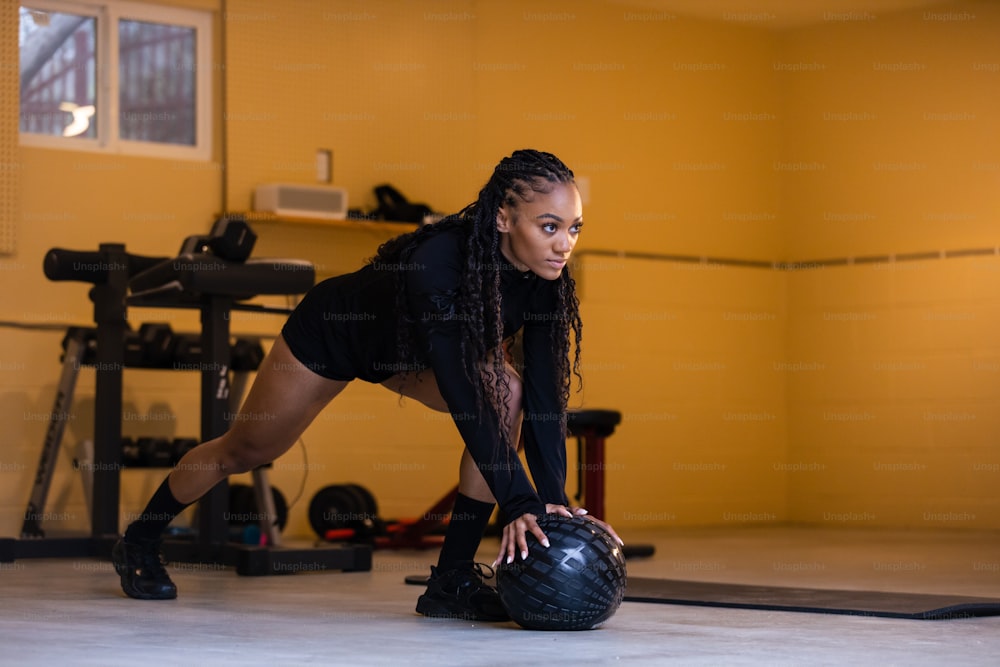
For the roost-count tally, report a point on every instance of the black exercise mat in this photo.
(820, 601)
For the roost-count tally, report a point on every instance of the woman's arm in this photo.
(544, 414)
(433, 276)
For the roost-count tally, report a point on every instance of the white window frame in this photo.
(108, 139)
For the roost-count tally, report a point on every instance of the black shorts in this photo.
(345, 328)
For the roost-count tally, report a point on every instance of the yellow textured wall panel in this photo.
(386, 86)
(10, 151)
(858, 394)
(895, 123)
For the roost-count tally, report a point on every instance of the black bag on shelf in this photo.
(394, 207)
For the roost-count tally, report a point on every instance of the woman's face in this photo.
(538, 233)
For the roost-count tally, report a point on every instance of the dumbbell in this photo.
(187, 350)
(150, 347)
(195, 245)
(130, 453)
(157, 343)
(147, 452)
(232, 238)
(246, 354)
(155, 452)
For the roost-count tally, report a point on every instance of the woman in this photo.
(428, 317)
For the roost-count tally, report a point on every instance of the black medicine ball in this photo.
(577, 583)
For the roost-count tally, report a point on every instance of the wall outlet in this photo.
(324, 166)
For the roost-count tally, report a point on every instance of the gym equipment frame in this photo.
(214, 285)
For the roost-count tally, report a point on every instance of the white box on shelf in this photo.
(323, 202)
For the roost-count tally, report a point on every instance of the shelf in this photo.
(353, 225)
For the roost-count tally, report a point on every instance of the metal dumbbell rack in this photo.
(79, 347)
(112, 270)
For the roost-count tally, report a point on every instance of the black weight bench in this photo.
(189, 277)
(216, 285)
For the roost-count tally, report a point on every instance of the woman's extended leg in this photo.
(284, 399)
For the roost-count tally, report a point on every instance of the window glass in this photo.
(156, 72)
(58, 69)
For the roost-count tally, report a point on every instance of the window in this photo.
(121, 77)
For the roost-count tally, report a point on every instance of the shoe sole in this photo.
(122, 569)
(434, 609)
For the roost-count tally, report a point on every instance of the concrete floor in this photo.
(72, 612)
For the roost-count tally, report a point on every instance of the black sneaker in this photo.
(461, 593)
(141, 569)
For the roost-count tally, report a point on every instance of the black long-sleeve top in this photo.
(528, 303)
(359, 329)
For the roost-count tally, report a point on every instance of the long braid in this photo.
(569, 304)
(478, 301)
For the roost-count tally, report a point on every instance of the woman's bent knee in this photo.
(238, 455)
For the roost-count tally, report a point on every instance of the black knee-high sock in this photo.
(465, 530)
(159, 512)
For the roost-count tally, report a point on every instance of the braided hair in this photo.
(478, 303)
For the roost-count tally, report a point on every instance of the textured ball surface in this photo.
(577, 583)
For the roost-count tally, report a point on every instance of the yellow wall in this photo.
(659, 117)
(895, 423)
(893, 419)
(684, 131)
(903, 126)
(690, 360)
(669, 119)
(674, 123)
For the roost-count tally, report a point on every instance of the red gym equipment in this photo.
(591, 428)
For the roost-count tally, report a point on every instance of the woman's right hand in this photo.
(514, 538)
